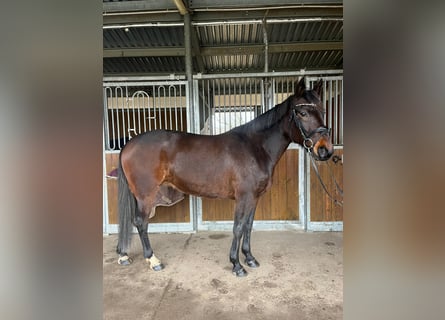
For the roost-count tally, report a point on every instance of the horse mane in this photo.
(274, 115)
(266, 119)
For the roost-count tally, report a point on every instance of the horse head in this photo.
(306, 113)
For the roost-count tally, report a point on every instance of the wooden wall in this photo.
(281, 202)
(322, 207)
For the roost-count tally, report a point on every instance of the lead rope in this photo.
(314, 165)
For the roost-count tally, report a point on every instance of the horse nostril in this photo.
(324, 153)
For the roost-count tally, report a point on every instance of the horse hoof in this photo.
(159, 267)
(124, 261)
(240, 273)
(252, 263)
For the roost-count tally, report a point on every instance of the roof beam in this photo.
(224, 50)
(115, 18)
(273, 48)
(145, 52)
(133, 6)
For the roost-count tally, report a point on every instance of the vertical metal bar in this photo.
(328, 96)
(144, 113)
(189, 63)
(239, 104)
(190, 99)
(134, 103)
(336, 113)
(244, 96)
(137, 128)
(104, 191)
(196, 107)
(171, 88)
(155, 107)
(206, 93)
(273, 90)
(126, 107)
(213, 109)
(224, 98)
(161, 101)
(122, 109)
(302, 177)
(181, 111)
(145, 103)
(263, 97)
(149, 117)
(340, 126)
(106, 119)
(113, 130)
(266, 46)
(229, 104)
(164, 100)
(219, 110)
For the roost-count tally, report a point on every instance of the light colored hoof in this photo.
(154, 263)
(124, 260)
(159, 267)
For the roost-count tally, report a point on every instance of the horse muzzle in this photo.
(323, 150)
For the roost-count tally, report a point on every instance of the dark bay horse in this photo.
(159, 167)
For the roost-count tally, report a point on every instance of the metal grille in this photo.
(134, 108)
(224, 102)
(229, 102)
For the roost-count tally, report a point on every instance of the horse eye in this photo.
(303, 113)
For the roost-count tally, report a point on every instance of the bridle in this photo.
(308, 144)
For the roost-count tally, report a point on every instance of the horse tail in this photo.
(126, 209)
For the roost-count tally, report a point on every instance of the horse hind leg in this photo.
(165, 196)
(154, 263)
(146, 210)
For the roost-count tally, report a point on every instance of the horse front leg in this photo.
(238, 227)
(242, 206)
(250, 259)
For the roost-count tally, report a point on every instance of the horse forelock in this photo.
(311, 97)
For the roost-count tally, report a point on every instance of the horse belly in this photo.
(203, 183)
(200, 176)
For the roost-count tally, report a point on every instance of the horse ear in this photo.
(318, 87)
(300, 88)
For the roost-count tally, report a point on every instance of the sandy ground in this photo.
(300, 277)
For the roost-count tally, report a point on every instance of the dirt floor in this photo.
(300, 277)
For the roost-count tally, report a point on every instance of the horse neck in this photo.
(270, 130)
(276, 140)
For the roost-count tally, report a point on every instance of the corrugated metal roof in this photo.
(146, 37)
(151, 46)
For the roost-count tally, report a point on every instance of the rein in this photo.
(314, 165)
(308, 144)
